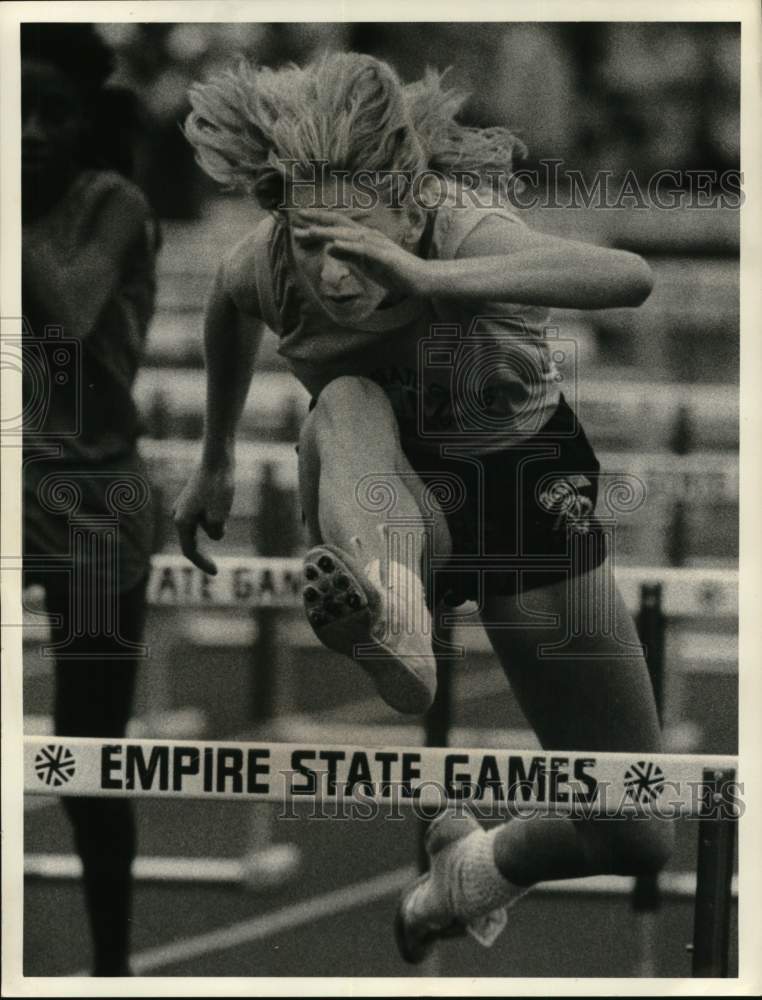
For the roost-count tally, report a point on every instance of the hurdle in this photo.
(171, 401)
(522, 783)
(682, 476)
(255, 581)
(257, 871)
(266, 477)
(276, 582)
(653, 596)
(271, 584)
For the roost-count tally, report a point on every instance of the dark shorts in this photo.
(519, 518)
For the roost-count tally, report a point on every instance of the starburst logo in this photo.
(54, 765)
(644, 781)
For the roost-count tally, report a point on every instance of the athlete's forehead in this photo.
(336, 193)
(343, 200)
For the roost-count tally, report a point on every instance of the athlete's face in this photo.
(346, 293)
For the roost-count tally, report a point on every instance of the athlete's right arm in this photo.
(232, 334)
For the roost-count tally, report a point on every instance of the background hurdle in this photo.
(271, 584)
(173, 407)
(255, 581)
(671, 480)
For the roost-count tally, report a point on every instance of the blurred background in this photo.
(618, 97)
(627, 99)
(656, 389)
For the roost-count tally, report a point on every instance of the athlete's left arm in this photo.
(504, 261)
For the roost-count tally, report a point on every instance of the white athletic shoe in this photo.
(379, 619)
(427, 910)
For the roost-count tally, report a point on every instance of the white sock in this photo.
(468, 885)
(478, 886)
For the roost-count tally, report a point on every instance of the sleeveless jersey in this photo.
(480, 373)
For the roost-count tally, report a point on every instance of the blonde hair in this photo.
(253, 128)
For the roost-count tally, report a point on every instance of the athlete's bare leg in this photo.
(350, 434)
(366, 577)
(598, 697)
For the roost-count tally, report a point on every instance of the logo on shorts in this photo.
(644, 781)
(54, 765)
(565, 499)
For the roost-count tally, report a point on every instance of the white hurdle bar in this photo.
(685, 476)
(277, 583)
(602, 784)
(182, 391)
(259, 870)
(524, 780)
(272, 582)
(248, 872)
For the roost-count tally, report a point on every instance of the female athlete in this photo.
(440, 460)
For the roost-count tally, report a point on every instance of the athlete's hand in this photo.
(370, 251)
(205, 502)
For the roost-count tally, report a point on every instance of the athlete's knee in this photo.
(351, 397)
(352, 416)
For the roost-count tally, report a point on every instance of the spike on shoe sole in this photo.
(347, 613)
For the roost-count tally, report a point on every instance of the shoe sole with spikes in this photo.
(346, 610)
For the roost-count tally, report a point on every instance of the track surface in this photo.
(335, 918)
